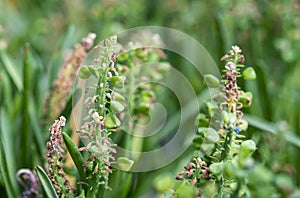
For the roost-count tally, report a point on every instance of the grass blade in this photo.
(11, 70)
(272, 128)
(45, 182)
(75, 154)
(5, 172)
(7, 163)
(25, 157)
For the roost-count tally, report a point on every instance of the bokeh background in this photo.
(267, 31)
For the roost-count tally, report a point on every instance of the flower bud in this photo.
(249, 74)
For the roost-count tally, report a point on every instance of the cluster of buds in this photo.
(194, 171)
(55, 156)
(29, 182)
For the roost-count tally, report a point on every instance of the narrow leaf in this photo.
(272, 128)
(75, 154)
(5, 173)
(11, 70)
(46, 183)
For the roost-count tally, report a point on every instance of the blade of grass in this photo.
(37, 133)
(8, 163)
(4, 172)
(5, 90)
(75, 154)
(25, 157)
(272, 128)
(11, 70)
(46, 183)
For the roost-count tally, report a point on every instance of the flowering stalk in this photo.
(55, 156)
(101, 119)
(229, 148)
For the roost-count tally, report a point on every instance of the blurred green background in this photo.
(268, 33)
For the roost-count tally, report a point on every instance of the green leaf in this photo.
(46, 183)
(272, 128)
(5, 173)
(36, 130)
(11, 70)
(75, 154)
(8, 151)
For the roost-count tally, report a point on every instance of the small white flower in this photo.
(97, 117)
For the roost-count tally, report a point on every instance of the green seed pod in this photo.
(118, 81)
(124, 163)
(143, 107)
(163, 183)
(146, 96)
(141, 53)
(211, 81)
(122, 57)
(153, 57)
(185, 190)
(249, 74)
(246, 99)
(116, 106)
(212, 108)
(94, 71)
(84, 72)
(202, 120)
(216, 168)
(200, 137)
(117, 97)
(246, 149)
(111, 121)
(229, 169)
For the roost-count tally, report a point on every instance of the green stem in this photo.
(226, 146)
